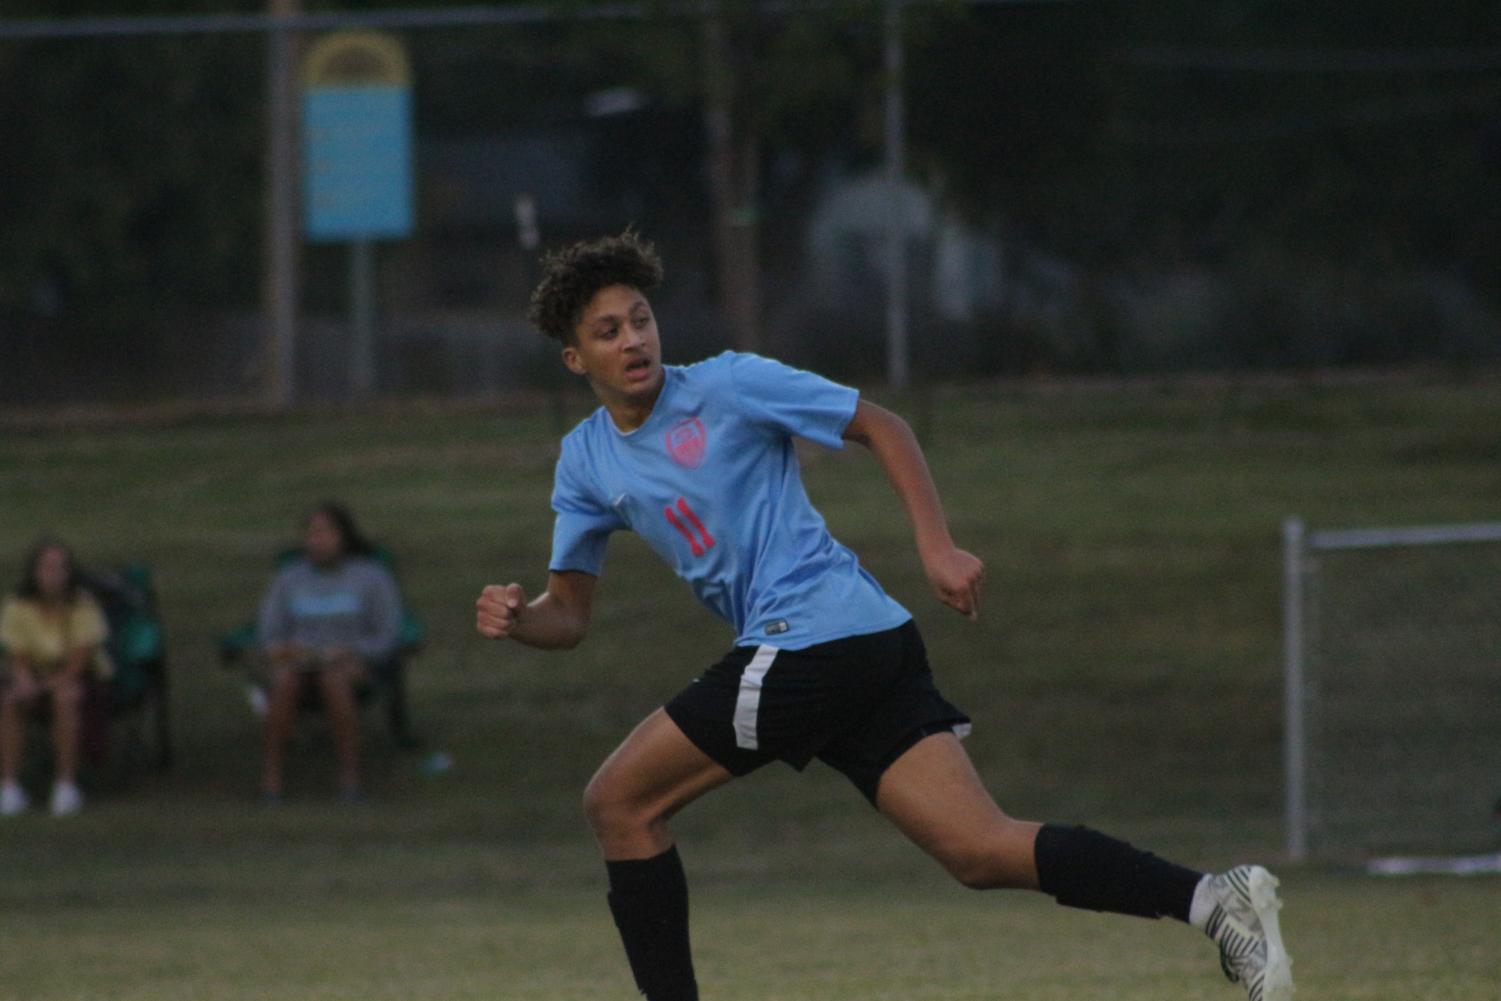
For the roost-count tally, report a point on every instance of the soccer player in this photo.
(698, 460)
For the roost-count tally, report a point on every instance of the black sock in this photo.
(649, 899)
(1083, 868)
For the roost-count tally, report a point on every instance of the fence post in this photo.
(1294, 736)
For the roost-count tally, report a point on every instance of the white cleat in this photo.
(1244, 925)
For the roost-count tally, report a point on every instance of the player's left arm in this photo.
(956, 575)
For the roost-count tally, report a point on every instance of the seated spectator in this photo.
(53, 634)
(325, 621)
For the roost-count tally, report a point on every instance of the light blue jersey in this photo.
(711, 482)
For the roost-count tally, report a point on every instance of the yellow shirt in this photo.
(45, 639)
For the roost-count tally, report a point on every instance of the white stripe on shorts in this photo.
(748, 702)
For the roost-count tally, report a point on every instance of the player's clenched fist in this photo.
(498, 608)
(957, 578)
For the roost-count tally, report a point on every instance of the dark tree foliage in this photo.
(1268, 138)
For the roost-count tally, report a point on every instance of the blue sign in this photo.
(357, 158)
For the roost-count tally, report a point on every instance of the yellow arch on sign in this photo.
(356, 59)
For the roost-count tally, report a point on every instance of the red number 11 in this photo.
(698, 536)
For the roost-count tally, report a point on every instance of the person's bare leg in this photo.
(652, 775)
(15, 703)
(934, 796)
(67, 728)
(337, 682)
(281, 720)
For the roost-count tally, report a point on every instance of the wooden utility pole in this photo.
(734, 182)
(898, 368)
(279, 285)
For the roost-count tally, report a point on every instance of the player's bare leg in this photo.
(934, 796)
(652, 775)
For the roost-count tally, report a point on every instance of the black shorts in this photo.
(855, 704)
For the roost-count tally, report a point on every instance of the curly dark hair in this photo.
(571, 276)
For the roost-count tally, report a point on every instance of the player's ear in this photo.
(571, 359)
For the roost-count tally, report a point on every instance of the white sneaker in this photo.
(259, 703)
(13, 801)
(1244, 925)
(66, 799)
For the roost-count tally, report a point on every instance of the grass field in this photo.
(1125, 673)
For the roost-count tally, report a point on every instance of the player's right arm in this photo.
(557, 620)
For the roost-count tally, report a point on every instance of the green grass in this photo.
(1125, 673)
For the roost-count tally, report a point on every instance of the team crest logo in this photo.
(686, 442)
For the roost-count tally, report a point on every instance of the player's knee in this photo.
(984, 863)
(972, 870)
(607, 809)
